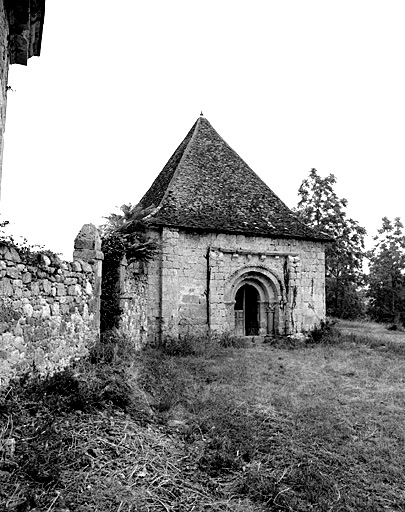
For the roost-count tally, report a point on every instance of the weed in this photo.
(324, 333)
(182, 345)
(227, 340)
(113, 347)
(207, 345)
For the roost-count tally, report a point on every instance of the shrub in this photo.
(325, 333)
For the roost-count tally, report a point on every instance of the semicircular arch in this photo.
(266, 283)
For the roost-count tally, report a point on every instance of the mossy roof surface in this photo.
(205, 185)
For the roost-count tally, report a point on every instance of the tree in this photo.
(123, 235)
(386, 280)
(321, 208)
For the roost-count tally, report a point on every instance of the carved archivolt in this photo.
(264, 280)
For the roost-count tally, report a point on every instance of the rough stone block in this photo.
(28, 310)
(27, 277)
(74, 289)
(64, 309)
(6, 288)
(88, 238)
(61, 290)
(46, 286)
(44, 260)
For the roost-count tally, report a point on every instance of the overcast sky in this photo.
(290, 85)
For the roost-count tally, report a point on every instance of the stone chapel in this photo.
(232, 257)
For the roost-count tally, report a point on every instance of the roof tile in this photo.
(205, 185)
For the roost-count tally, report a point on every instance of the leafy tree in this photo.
(321, 208)
(123, 235)
(386, 280)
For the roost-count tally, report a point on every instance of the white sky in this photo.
(290, 85)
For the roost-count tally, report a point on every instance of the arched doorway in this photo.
(247, 309)
(255, 294)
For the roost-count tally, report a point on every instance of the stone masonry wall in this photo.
(193, 277)
(140, 298)
(49, 308)
(4, 65)
(133, 303)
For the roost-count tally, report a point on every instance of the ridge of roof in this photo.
(206, 185)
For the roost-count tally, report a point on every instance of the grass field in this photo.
(261, 428)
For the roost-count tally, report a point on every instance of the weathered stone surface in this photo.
(12, 255)
(76, 267)
(88, 238)
(88, 255)
(75, 289)
(37, 311)
(6, 288)
(60, 290)
(46, 286)
(44, 260)
(191, 285)
(26, 277)
(34, 288)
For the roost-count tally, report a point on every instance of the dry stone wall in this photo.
(49, 308)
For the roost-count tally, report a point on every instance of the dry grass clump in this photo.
(92, 439)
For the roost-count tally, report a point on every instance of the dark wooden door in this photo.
(239, 322)
(247, 311)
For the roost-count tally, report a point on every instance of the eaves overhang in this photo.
(26, 21)
(316, 236)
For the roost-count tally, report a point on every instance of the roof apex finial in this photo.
(201, 115)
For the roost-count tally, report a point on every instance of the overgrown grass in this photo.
(317, 427)
(381, 336)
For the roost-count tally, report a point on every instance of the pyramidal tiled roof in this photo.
(205, 185)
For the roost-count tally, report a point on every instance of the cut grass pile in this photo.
(313, 428)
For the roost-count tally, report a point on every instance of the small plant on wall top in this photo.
(123, 235)
(27, 252)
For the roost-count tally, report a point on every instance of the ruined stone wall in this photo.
(4, 64)
(139, 295)
(196, 273)
(133, 303)
(49, 308)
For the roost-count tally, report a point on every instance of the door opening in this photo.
(247, 311)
